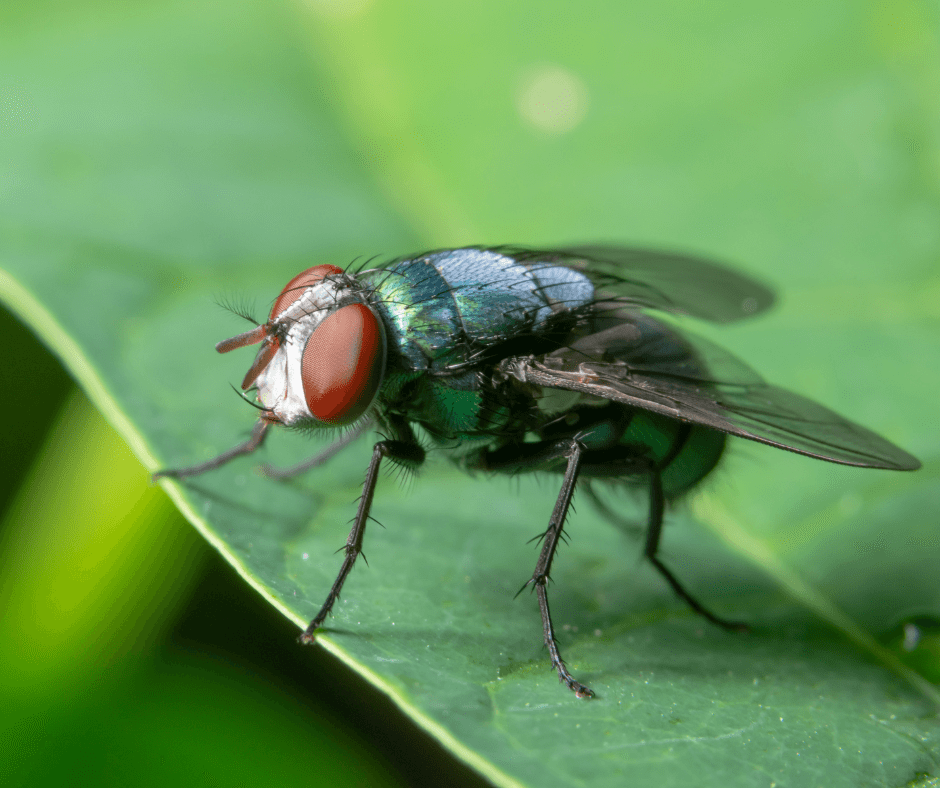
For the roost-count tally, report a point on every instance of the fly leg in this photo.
(258, 434)
(318, 459)
(653, 534)
(544, 567)
(535, 456)
(407, 453)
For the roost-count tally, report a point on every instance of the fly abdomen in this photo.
(683, 453)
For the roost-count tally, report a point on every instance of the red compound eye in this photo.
(297, 285)
(343, 364)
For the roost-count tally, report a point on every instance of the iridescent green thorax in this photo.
(447, 313)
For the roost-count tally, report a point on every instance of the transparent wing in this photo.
(644, 364)
(659, 280)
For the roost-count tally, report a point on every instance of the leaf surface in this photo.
(159, 157)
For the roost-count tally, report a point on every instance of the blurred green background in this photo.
(132, 654)
(801, 142)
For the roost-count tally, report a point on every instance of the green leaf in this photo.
(160, 156)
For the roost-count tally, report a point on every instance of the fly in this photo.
(514, 360)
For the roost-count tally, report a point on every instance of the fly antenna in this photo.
(252, 337)
(238, 305)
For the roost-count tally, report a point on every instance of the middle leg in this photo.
(405, 452)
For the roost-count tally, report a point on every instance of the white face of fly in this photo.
(280, 388)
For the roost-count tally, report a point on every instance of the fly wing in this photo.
(644, 364)
(658, 280)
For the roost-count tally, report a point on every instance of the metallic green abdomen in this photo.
(686, 453)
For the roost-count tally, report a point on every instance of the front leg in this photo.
(408, 453)
(258, 434)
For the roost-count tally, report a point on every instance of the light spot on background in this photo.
(552, 99)
(338, 9)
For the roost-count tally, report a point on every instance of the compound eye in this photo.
(296, 286)
(343, 364)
